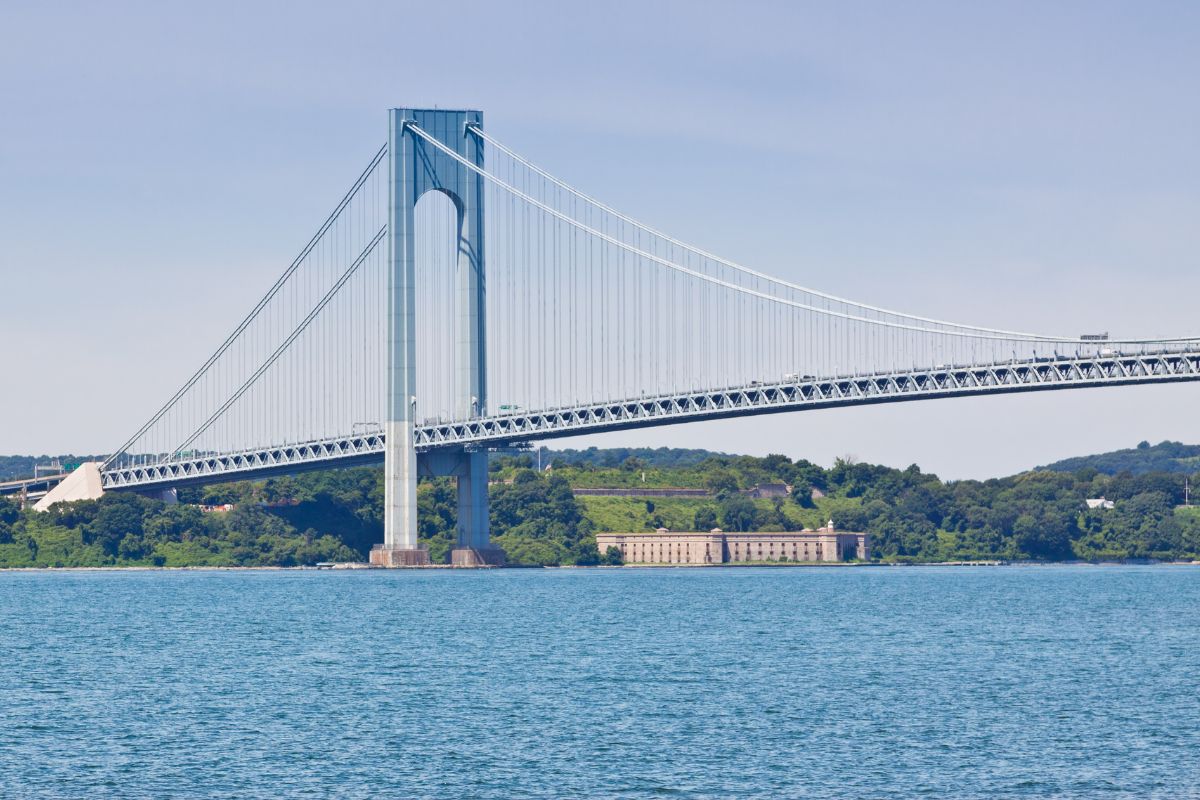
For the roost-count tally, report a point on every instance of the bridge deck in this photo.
(507, 429)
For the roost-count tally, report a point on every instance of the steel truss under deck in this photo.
(508, 429)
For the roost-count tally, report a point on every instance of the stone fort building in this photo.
(721, 547)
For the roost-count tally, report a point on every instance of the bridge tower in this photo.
(416, 167)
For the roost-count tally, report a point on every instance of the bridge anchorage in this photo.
(403, 334)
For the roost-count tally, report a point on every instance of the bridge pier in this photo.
(399, 548)
(474, 541)
(473, 547)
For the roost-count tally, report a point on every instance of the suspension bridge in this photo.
(461, 299)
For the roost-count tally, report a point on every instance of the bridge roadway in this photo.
(1061, 372)
(44, 481)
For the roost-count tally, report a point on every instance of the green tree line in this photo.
(911, 515)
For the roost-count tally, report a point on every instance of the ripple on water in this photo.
(748, 683)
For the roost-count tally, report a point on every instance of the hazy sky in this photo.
(1021, 165)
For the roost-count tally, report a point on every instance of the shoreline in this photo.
(362, 567)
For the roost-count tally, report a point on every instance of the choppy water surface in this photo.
(771, 683)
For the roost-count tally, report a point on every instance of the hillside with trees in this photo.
(913, 516)
(1141, 460)
(615, 456)
(16, 467)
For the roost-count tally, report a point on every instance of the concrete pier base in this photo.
(477, 557)
(399, 557)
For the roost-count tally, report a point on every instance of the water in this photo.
(747, 683)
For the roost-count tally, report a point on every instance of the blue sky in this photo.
(1023, 165)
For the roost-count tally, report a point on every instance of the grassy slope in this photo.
(655, 477)
(679, 513)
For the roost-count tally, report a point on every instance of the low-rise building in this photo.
(721, 547)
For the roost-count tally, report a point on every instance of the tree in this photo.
(132, 548)
(585, 554)
(119, 515)
(722, 483)
(778, 467)
(538, 518)
(1046, 536)
(777, 518)
(9, 513)
(437, 518)
(808, 471)
(179, 523)
(738, 513)
(705, 519)
(802, 493)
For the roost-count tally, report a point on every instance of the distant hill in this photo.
(662, 457)
(15, 467)
(1140, 460)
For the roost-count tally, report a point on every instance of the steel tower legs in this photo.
(474, 545)
(415, 168)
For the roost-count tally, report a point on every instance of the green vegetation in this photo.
(616, 456)
(1141, 460)
(128, 530)
(16, 467)
(912, 516)
(535, 519)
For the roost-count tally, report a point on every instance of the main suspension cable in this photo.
(731, 264)
(366, 173)
(994, 336)
(1001, 334)
(284, 345)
